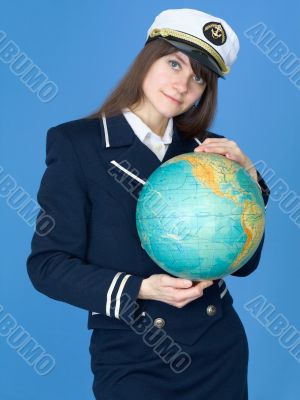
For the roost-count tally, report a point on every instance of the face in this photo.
(171, 87)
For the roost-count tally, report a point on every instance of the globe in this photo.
(200, 216)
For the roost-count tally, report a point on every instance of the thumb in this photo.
(207, 284)
(204, 284)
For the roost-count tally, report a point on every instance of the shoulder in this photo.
(83, 135)
(77, 130)
(73, 142)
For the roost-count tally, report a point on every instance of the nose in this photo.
(181, 84)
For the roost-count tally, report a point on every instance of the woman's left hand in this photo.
(230, 150)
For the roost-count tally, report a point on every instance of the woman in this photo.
(154, 335)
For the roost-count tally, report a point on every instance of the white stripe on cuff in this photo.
(223, 293)
(109, 293)
(220, 283)
(119, 294)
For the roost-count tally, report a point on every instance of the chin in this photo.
(168, 113)
(174, 114)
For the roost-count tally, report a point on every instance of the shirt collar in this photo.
(142, 130)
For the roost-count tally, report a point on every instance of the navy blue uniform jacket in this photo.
(93, 254)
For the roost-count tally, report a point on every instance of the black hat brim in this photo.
(197, 55)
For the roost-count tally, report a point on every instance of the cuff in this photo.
(124, 289)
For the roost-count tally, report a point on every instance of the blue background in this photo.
(85, 48)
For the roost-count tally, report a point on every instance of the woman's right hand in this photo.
(177, 292)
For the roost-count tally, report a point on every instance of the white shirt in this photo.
(154, 142)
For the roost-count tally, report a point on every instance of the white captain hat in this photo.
(207, 39)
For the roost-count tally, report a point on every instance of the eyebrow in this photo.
(181, 59)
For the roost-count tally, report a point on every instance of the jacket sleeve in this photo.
(265, 191)
(56, 265)
(252, 264)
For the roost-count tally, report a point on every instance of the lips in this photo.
(173, 99)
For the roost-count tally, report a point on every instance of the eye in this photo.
(200, 80)
(173, 62)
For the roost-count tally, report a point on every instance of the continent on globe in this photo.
(200, 216)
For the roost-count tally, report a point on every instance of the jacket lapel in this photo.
(129, 162)
(124, 147)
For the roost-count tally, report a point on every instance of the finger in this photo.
(176, 282)
(212, 142)
(223, 150)
(226, 145)
(226, 141)
(215, 140)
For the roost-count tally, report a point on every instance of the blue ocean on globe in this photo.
(200, 216)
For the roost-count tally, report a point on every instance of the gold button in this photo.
(159, 322)
(211, 310)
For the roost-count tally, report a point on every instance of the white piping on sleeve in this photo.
(109, 292)
(118, 297)
(108, 296)
(223, 293)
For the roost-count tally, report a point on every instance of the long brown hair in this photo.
(194, 122)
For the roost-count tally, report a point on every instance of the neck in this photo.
(156, 122)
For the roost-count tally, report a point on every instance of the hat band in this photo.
(164, 32)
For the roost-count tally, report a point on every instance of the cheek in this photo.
(196, 94)
(160, 74)
(158, 79)
(155, 82)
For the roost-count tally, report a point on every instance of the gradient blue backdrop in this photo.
(85, 48)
